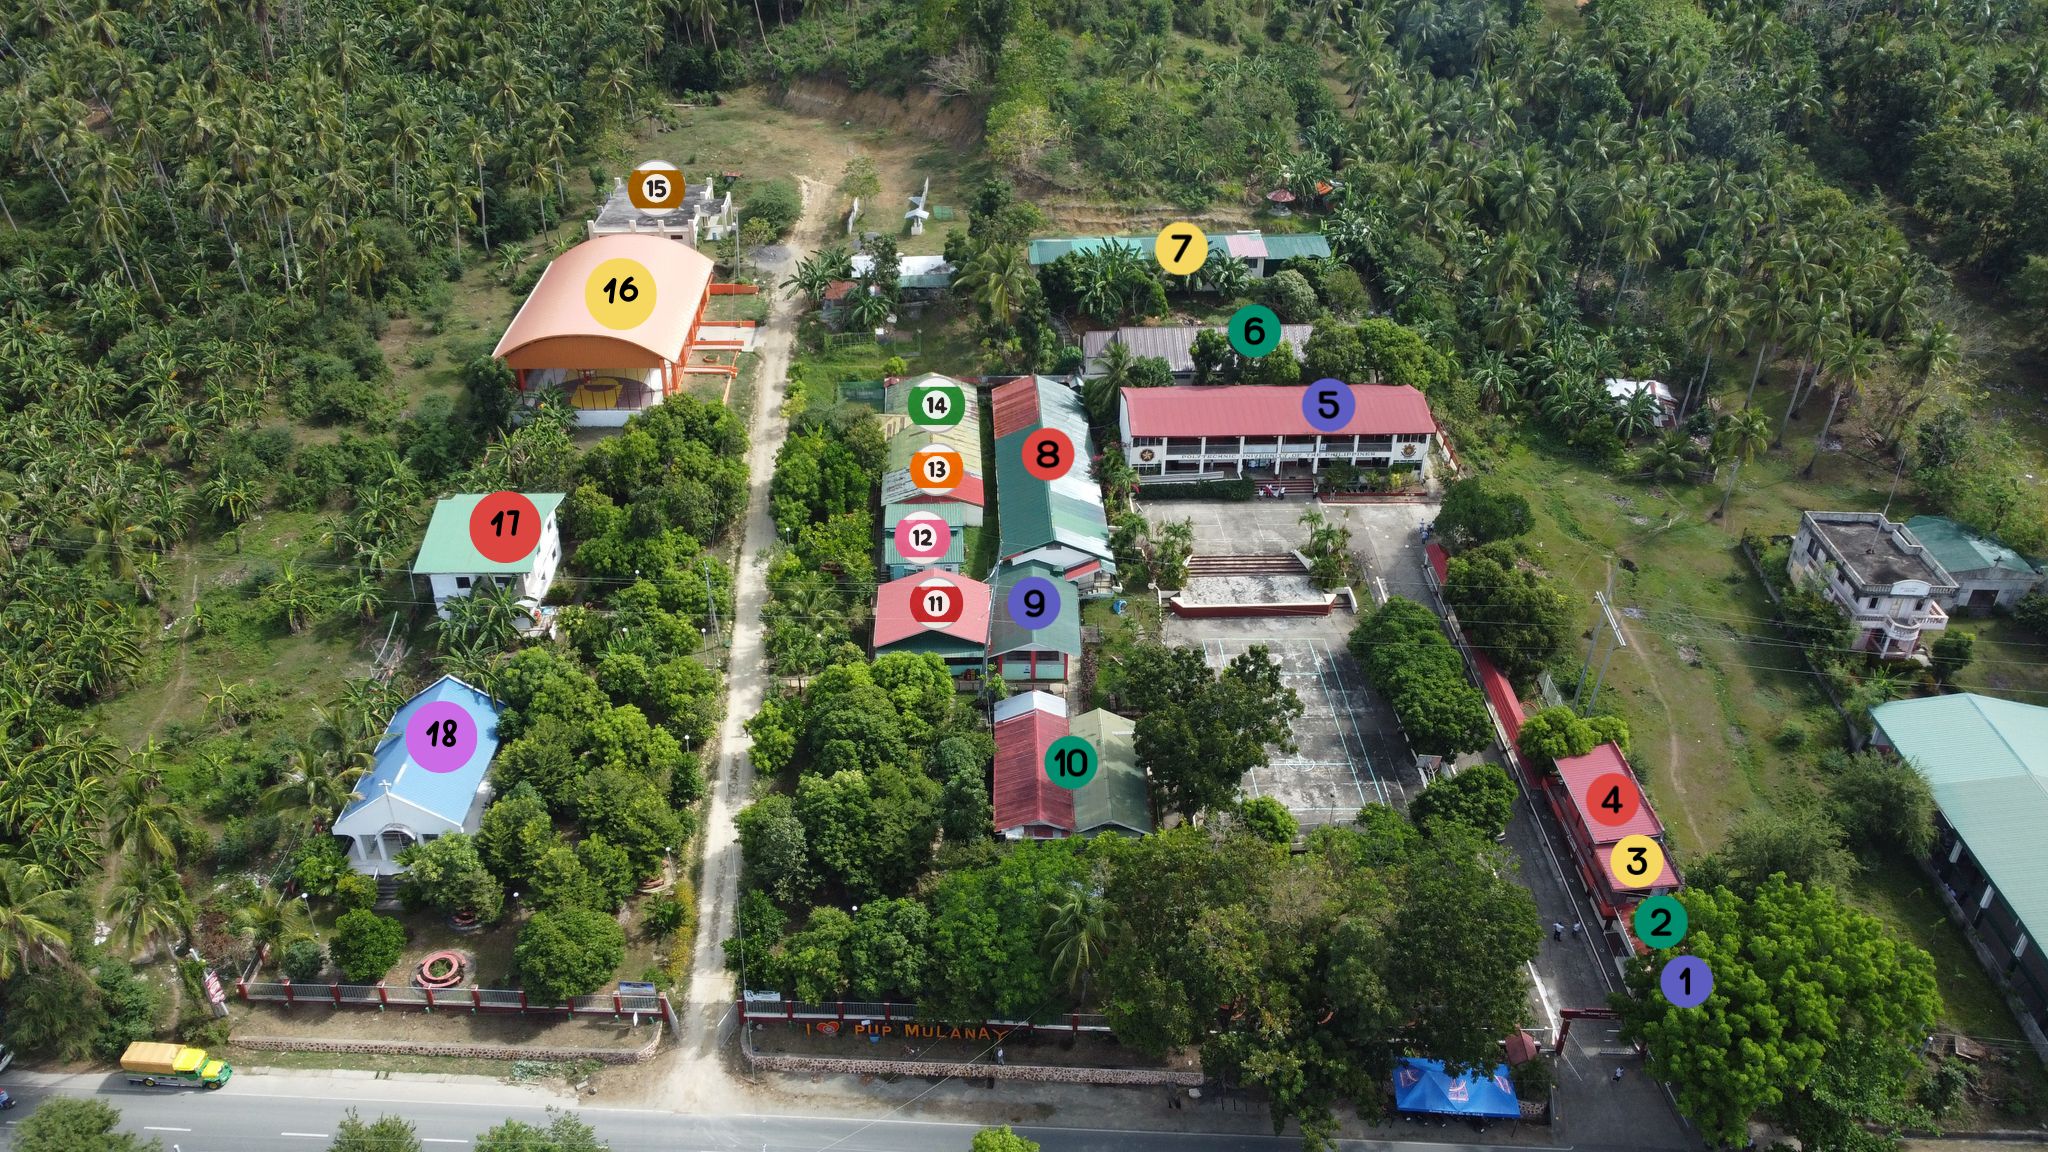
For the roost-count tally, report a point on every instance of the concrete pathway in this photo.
(697, 1077)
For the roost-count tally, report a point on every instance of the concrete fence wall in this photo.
(462, 1051)
(1032, 1073)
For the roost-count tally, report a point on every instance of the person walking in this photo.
(999, 1055)
(1617, 1073)
(1578, 929)
(1557, 930)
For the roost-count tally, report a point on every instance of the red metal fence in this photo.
(473, 999)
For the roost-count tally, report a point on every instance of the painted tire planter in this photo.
(465, 921)
(654, 883)
(440, 970)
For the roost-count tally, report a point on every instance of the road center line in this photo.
(307, 1135)
(440, 1140)
(155, 1128)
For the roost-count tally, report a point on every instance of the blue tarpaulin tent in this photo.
(1422, 1086)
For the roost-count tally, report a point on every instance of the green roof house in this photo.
(1987, 574)
(454, 567)
(1986, 761)
(1117, 800)
(955, 516)
(1034, 656)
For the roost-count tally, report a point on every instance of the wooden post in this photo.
(336, 989)
(383, 997)
(476, 999)
(522, 1000)
(242, 990)
(288, 991)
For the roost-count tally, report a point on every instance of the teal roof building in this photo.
(1987, 573)
(1986, 761)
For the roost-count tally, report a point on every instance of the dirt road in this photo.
(697, 1076)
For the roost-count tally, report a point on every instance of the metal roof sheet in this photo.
(893, 622)
(1958, 549)
(896, 393)
(1118, 796)
(444, 794)
(1263, 410)
(1062, 635)
(446, 548)
(907, 439)
(1175, 343)
(1048, 250)
(1025, 727)
(956, 548)
(1986, 761)
(1578, 774)
(1296, 246)
(899, 488)
(1245, 245)
(554, 327)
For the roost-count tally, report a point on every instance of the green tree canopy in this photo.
(1801, 980)
(63, 1124)
(569, 952)
(366, 945)
(448, 874)
(384, 1134)
(1481, 798)
(1479, 510)
(1512, 612)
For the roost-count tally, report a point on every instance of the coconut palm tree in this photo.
(1932, 352)
(1851, 363)
(998, 280)
(141, 819)
(1637, 414)
(1076, 936)
(30, 907)
(315, 786)
(1739, 438)
(1666, 461)
(270, 917)
(148, 906)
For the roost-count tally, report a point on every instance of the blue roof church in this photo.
(399, 802)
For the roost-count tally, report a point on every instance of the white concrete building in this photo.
(1877, 571)
(400, 803)
(453, 566)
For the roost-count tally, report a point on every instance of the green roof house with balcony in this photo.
(453, 566)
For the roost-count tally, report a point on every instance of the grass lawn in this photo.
(747, 133)
(1707, 683)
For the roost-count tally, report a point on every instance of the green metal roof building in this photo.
(1062, 522)
(1986, 760)
(453, 566)
(1987, 573)
(1034, 656)
(1117, 800)
(954, 515)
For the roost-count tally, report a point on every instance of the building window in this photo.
(1148, 441)
(1871, 602)
(1920, 605)
(462, 582)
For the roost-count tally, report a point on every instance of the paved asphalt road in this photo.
(209, 1122)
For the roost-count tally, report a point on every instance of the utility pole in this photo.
(1610, 627)
(710, 598)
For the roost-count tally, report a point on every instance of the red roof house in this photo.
(1260, 410)
(962, 644)
(1028, 805)
(1591, 841)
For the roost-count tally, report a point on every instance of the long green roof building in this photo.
(1986, 761)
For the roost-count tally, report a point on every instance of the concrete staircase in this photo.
(1250, 564)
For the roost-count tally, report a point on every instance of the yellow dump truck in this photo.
(154, 1064)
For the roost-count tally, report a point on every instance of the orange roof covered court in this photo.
(554, 341)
